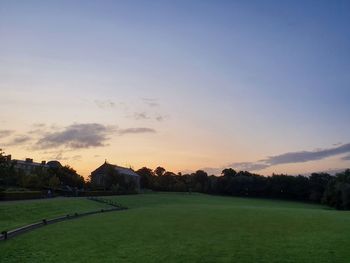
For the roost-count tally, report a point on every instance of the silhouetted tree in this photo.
(200, 181)
(67, 176)
(145, 177)
(8, 175)
(318, 184)
(337, 193)
(228, 172)
(159, 171)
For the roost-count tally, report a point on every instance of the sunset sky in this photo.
(255, 85)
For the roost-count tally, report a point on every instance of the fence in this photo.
(21, 230)
(106, 201)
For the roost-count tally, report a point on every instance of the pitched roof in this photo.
(122, 170)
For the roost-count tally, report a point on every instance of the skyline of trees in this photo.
(332, 190)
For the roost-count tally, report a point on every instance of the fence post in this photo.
(4, 234)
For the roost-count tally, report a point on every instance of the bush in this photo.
(20, 195)
(16, 189)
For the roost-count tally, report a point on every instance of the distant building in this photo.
(98, 176)
(28, 166)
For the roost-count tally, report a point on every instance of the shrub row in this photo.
(20, 195)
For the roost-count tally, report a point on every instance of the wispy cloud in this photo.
(161, 118)
(71, 137)
(6, 133)
(346, 158)
(38, 125)
(105, 104)
(77, 157)
(135, 130)
(285, 158)
(141, 116)
(86, 135)
(58, 155)
(294, 157)
(152, 102)
(19, 140)
(305, 156)
(37, 131)
(147, 116)
(77, 136)
(249, 166)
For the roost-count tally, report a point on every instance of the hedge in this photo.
(20, 195)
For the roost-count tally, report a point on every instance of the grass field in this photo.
(18, 213)
(171, 227)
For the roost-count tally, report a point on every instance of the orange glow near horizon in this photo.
(233, 84)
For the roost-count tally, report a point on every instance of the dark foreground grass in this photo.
(19, 213)
(191, 228)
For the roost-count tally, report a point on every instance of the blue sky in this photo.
(230, 81)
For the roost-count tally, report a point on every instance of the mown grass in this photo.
(19, 213)
(165, 227)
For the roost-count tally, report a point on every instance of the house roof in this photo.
(29, 163)
(122, 170)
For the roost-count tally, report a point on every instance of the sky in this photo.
(254, 85)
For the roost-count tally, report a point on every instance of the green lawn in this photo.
(171, 227)
(19, 213)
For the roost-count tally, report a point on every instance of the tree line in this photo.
(332, 190)
(39, 178)
(318, 187)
